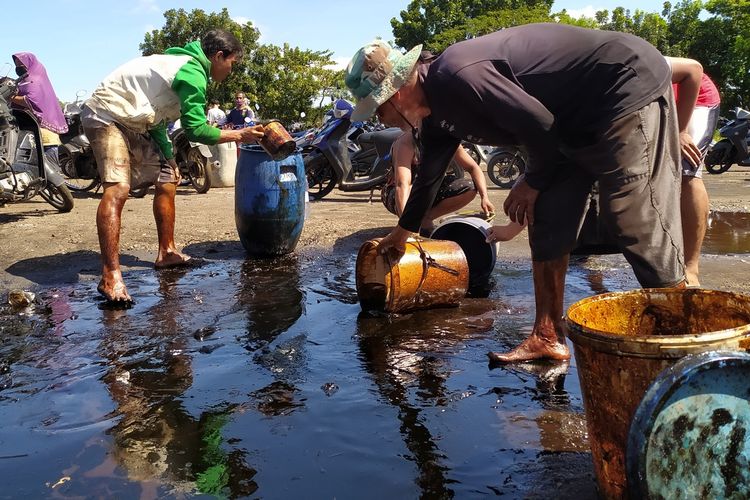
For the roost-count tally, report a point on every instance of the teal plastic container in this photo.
(690, 436)
(269, 201)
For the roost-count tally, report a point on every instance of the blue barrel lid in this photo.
(690, 436)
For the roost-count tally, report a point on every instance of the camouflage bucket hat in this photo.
(375, 73)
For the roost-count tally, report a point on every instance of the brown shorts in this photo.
(127, 157)
(637, 163)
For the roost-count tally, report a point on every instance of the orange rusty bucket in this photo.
(623, 340)
(431, 273)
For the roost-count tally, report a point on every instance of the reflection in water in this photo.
(559, 428)
(400, 358)
(271, 298)
(728, 232)
(157, 441)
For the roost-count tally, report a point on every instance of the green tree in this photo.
(489, 22)
(684, 24)
(722, 45)
(648, 25)
(181, 27)
(424, 20)
(289, 78)
(283, 81)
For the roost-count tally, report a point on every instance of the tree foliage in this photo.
(283, 81)
(716, 33)
(424, 20)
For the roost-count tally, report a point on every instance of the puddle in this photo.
(263, 378)
(727, 233)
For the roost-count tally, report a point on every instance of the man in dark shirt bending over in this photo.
(588, 105)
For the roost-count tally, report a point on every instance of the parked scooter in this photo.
(506, 164)
(25, 170)
(331, 161)
(75, 156)
(480, 154)
(733, 148)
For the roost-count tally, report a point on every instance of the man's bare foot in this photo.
(534, 347)
(171, 259)
(114, 290)
(692, 280)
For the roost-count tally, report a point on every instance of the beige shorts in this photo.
(127, 157)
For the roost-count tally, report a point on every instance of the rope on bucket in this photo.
(427, 262)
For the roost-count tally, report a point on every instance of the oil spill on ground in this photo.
(264, 378)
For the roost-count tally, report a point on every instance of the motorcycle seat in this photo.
(379, 137)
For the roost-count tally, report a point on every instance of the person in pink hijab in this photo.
(35, 93)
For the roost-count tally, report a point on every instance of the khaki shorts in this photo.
(637, 164)
(127, 157)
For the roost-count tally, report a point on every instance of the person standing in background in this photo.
(697, 101)
(215, 116)
(239, 115)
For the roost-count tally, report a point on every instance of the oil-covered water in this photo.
(264, 378)
(727, 233)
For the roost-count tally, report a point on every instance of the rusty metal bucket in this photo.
(623, 340)
(431, 273)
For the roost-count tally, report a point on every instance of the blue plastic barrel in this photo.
(269, 201)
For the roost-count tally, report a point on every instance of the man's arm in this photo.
(437, 151)
(470, 166)
(687, 75)
(403, 156)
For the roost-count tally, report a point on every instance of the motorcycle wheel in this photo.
(67, 160)
(59, 197)
(320, 177)
(197, 171)
(719, 157)
(504, 168)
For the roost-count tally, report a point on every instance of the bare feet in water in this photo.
(113, 289)
(534, 347)
(171, 259)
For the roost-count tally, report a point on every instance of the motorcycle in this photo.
(506, 164)
(477, 152)
(75, 156)
(733, 148)
(192, 158)
(25, 169)
(332, 160)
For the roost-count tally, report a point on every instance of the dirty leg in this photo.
(108, 218)
(547, 339)
(164, 215)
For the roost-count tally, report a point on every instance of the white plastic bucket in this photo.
(222, 165)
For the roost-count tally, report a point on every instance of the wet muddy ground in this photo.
(263, 378)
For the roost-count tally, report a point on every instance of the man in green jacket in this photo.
(126, 119)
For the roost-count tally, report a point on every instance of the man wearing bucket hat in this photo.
(588, 105)
(126, 121)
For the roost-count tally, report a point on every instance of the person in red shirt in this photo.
(697, 102)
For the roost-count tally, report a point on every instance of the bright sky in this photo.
(81, 41)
